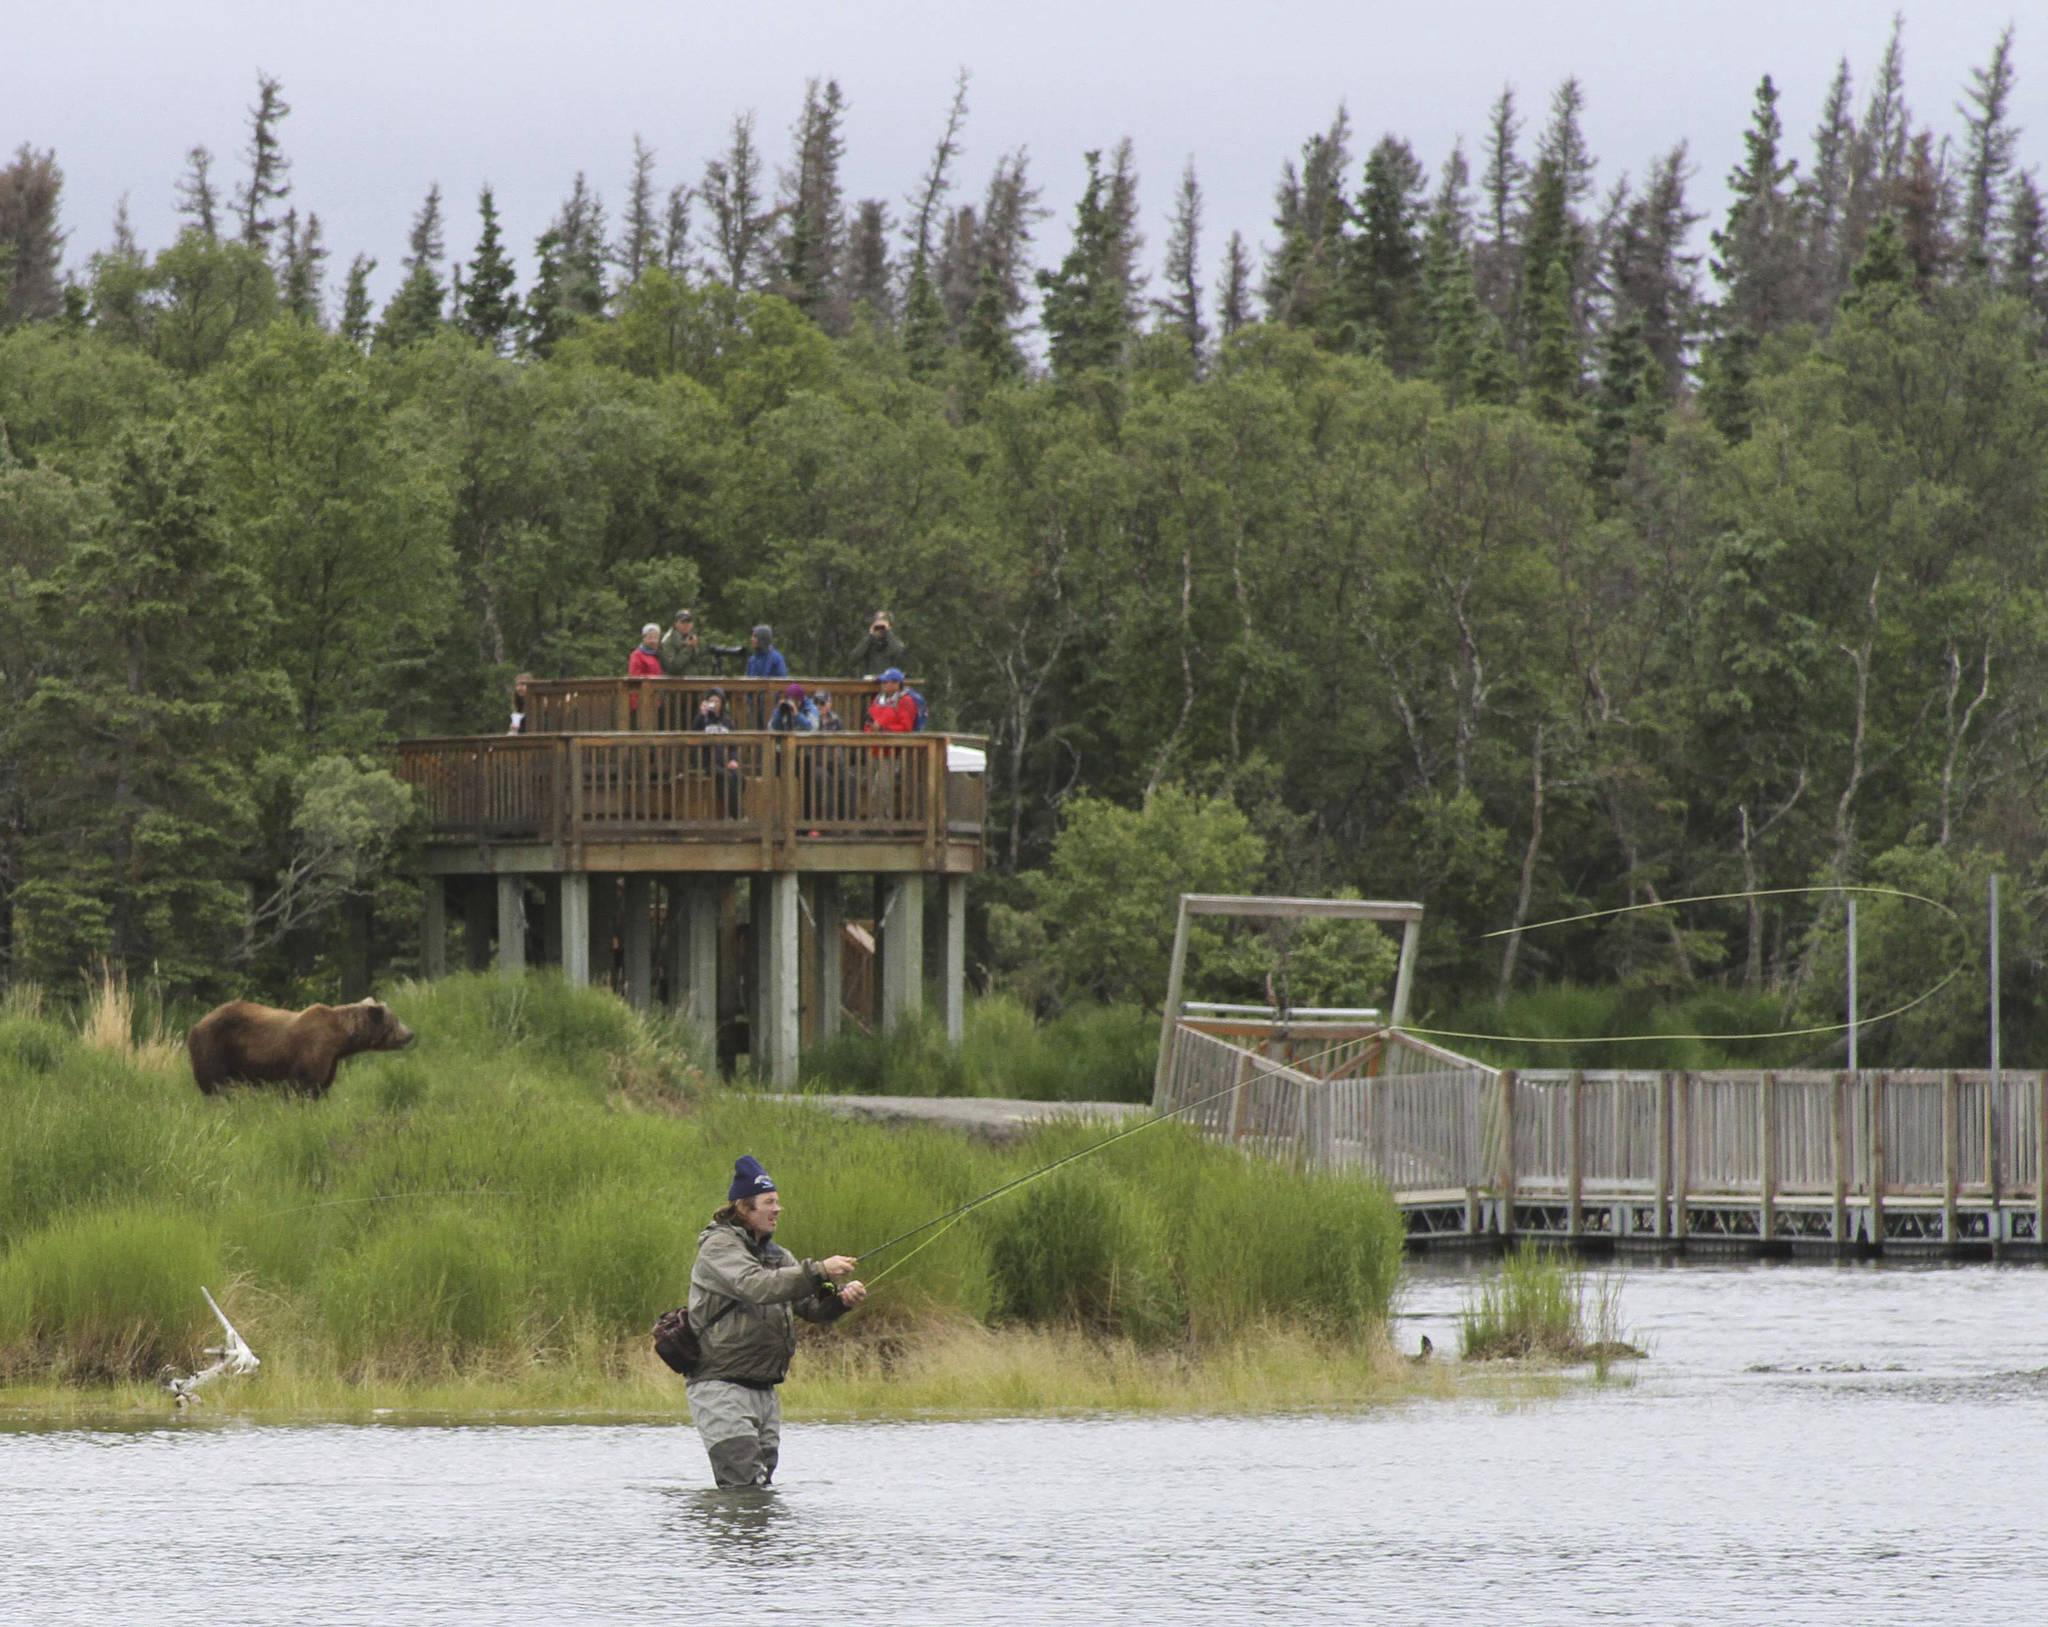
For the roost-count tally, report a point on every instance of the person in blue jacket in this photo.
(766, 660)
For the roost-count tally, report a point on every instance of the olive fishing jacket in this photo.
(743, 1290)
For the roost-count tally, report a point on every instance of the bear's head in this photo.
(376, 1029)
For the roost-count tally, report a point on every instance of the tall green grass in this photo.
(1543, 1304)
(525, 1187)
(1088, 1053)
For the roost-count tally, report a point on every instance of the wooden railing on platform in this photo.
(669, 705)
(1432, 1124)
(717, 787)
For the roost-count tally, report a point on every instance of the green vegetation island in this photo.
(491, 1221)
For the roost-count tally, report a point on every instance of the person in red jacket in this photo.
(644, 662)
(894, 710)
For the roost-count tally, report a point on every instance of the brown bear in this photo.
(247, 1043)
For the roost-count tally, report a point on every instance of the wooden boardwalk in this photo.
(1884, 1161)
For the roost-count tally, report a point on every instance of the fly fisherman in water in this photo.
(742, 1290)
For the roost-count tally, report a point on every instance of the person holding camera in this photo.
(879, 647)
(793, 713)
(720, 762)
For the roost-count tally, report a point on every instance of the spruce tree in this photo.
(2023, 262)
(987, 336)
(1180, 313)
(1885, 274)
(1386, 294)
(1627, 399)
(1987, 154)
(31, 239)
(1234, 288)
(1820, 203)
(1926, 214)
(303, 269)
(355, 302)
(675, 232)
(1087, 303)
(1310, 211)
(1727, 394)
(269, 169)
(1650, 275)
(415, 310)
(1495, 259)
(1757, 252)
(925, 322)
(868, 269)
(1550, 241)
(490, 309)
(1555, 367)
(639, 244)
(731, 190)
(813, 210)
(198, 202)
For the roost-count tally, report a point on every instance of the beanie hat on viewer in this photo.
(749, 1179)
(764, 633)
(794, 692)
(893, 676)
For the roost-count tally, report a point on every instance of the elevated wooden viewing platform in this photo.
(609, 838)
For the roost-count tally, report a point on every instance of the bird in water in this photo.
(234, 1355)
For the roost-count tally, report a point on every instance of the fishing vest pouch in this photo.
(679, 1344)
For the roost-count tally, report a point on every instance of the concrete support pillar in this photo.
(693, 949)
(902, 949)
(758, 911)
(776, 932)
(636, 935)
(575, 927)
(604, 926)
(479, 915)
(953, 969)
(434, 928)
(828, 938)
(551, 920)
(512, 925)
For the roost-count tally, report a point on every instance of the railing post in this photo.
(1873, 1095)
(1575, 1171)
(576, 796)
(2040, 1159)
(1171, 1015)
(1661, 1154)
(1840, 1160)
(1951, 1154)
(1505, 1179)
(1244, 1070)
(1767, 1148)
(1681, 1176)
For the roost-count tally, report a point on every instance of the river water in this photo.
(1807, 1443)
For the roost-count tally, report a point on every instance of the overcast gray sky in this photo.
(388, 97)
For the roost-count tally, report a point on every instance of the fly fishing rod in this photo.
(959, 1210)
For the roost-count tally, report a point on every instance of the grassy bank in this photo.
(1088, 1053)
(491, 1220)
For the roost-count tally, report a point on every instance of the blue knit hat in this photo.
(749, 1179)
(893, 676)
